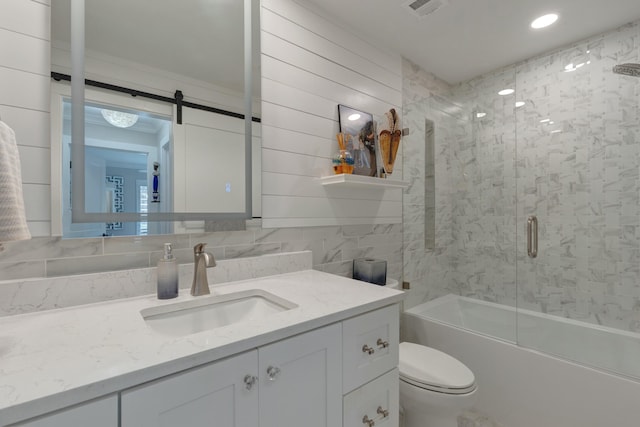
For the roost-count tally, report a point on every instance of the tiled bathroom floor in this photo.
(476, 419)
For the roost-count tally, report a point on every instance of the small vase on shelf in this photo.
(343, 162)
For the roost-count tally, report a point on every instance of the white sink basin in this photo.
(205, 313)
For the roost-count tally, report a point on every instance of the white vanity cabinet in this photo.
(289, 383)
(98, 413)
(344, 374)
(223, 393)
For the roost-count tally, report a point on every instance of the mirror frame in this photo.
(78, 213)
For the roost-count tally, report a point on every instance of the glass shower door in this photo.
(578, 163)
(483, 199)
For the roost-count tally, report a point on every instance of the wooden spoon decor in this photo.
(390, 141)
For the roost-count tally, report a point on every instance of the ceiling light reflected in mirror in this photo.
(119, 119)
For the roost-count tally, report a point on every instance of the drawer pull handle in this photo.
(272, 373)
(367, 349)
(383, 344)
(368, 422)
(382, 412)
(250, 381)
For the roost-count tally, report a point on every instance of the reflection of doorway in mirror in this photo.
(120, 152)
(120, 170)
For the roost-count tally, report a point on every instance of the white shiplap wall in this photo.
(24, 100)
(309, 65)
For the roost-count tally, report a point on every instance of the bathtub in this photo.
(522, 387)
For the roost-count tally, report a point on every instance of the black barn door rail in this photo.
(178, 98)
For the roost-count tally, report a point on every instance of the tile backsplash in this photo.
(334, 249)
(29, 295)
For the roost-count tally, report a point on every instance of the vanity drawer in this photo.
(370, 345)
(377, 400)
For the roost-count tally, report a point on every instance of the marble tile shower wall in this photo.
(334, 249)
(578, 160)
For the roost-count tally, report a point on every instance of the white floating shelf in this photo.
(348, 180)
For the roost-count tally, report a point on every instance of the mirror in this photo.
(185, 153)
(359, 131)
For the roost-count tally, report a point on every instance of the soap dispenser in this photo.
(167, 274)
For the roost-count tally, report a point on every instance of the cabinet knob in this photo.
(250, 381)
(367, 349)
(272, 373)
(368, 422)
(382, 412)
(383, 344)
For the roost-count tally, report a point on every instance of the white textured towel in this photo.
(13, 222)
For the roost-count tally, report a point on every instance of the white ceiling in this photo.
(467, 38)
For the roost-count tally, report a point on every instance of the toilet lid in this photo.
(434, 370)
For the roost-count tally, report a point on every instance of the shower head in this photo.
(627, 69)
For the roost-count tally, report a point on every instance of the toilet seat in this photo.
(433, 370)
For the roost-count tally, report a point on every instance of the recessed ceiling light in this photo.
(480, 115)
(354, 117)
(505, 92)
(544, 21)
(520, 104)
(556, 131)
(545, 120)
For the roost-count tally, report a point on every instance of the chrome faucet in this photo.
(202, 261)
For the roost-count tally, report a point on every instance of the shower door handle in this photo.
(532, 236)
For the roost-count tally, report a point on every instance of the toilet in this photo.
(434, 387)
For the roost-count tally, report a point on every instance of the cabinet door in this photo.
(99, 413)
(301, 380)
(213, 395)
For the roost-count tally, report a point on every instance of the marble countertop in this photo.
(53, 359)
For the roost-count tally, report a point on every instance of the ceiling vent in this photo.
(422, 8)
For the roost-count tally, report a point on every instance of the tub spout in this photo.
(202, 261)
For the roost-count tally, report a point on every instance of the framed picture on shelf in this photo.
(359, 130)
